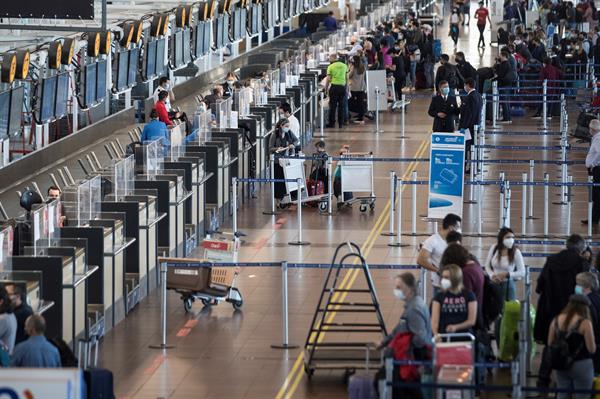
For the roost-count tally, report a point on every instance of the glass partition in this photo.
(54, 217)
(6, 246)
(274, 79)
(152, 151)
(96, 196)
(39, 223)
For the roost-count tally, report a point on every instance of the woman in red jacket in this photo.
(161, 108)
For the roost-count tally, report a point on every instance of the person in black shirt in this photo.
(470, 115)
(21, 310)
(465, 69)
(506, 77)
(443, 109)
(447, 72)
(587, 284)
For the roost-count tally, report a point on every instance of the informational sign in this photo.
(376, 86)
(446, 173)
(16, 383)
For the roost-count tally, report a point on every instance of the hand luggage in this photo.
(508, 342)
(99, 383)
(361, 386)
(315, 187)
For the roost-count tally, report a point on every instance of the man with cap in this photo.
(592, 162)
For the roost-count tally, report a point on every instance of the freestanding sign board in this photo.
(22, 383)
(446, 174)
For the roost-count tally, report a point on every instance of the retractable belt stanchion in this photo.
(393, 182)
(523, 344)
(483, 115)
(524, 206)
(531, 176)
(299, 183)
(321, 112)
(234, 206)
(329, 185)
(272, 185)
(398, 241)
(479, 206)
(377, 129)
(502, 187)
(495, 104)
(590, 206)
(569, 188)
(546, 200)
(545, 105)
(403, 97)
(284, 309)
(507, 204)
(414, 205)
(423, 283)
(472, 177)
(163, 309)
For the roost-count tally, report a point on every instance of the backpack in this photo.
(561, 357)
(493, 301)
(451, 75)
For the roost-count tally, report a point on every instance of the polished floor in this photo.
(222, 353)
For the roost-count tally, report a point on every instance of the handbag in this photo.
(401, 346)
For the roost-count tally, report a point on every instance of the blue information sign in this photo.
(446, 174)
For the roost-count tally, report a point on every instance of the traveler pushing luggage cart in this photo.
(354, 174)
(210, 285)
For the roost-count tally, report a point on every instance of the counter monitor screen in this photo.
(101, 81)
(16, 110)
(151, 58)
(4, 105)
(48, 99)
(187, 55)
(122, 70)
(90, 84)
(62, 95)
(160, 57)
(134, 56)
(178, 49)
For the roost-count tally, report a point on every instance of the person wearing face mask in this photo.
(473, 278)
(555, 284)
(229, 85)
(592, 163)
(444, 109)
(504, 263)
(587, 284)
(454, 309)
(465, 69)
(285, 111)
(282, 141)
(430, 254)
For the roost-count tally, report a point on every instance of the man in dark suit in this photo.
(470, 114)
(443, 109)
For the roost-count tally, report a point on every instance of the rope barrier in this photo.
(376, 266)
(541, 133)
(528, 147)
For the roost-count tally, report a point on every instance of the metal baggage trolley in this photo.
(356, 175)
(210, 285)
(293, 169)
(454, 361)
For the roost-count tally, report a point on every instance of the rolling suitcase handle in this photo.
(87, 349)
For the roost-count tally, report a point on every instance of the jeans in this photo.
(413, 73)
(336, 104)
(579, 376)
(428, 71)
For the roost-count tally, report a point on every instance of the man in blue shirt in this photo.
(330, 22)
(155, 129)
(36, 351)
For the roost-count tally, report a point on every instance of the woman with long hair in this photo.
(574, 325)
(358, 87)
(504, 263)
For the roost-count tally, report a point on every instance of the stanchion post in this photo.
(299, 242)
(163, 309)
(502, 207)
(590, 205)
(423, 283)
(545, 104)
(403, 97)
(414, 204)
(563, 170)
(272, 185)
(322, 111)
(472, 199)
(234, 184)
(377, 129)
(495, 100)
(479, 206)
(546, 202)
(483, 114)
(393, 181)
(398, 241)
(569, 188)
(284, 310)
(524, 206)
(531, 179)
(507, 206)
(329, 185)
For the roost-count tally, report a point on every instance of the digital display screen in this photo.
(187, 55)
(160, 57)
(90, 84)
(219, 32)
(4, 105)
(48, 99)
(134, 57)
(178, 48)
(16, 110)
(101, 81)
(122, 70)
(62, 95)
(151, 58)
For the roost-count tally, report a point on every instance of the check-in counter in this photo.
(225, 167)
(185, 194)
(214, 161)
(199, 178)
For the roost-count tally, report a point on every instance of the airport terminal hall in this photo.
(299, 199)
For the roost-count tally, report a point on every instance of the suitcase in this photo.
(99, 383)
(315, 187)
(361, 386)
(508, 342)
(420, 83)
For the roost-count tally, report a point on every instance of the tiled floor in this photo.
(222, 353)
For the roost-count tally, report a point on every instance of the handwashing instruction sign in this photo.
(446, 171)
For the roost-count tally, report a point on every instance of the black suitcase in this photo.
(99, 383)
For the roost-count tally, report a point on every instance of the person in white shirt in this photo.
(592, 162)
(504, 263)
(432, 249)
(164, 84)
(286, 112)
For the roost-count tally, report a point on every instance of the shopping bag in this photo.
(508, 341)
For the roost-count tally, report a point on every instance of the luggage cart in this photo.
(210, 285)
(454, 360)
(395, 98)
(293, 169)
(356, 175)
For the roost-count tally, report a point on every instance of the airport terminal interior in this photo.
(299, 199)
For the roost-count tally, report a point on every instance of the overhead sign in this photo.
(446, 174)
(17, 383)
(61, 9)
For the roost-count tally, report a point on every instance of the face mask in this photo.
(508, 242)
(202, 108)
(398, 293)
(459, 231)
(230, 82)
(168, 86)
(446, 284)
(445, 90)
(578, 290)
(285, 129)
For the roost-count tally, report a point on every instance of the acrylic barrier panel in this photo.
(152, 151)
(95, 196)
(260, 90)
(54, 218)
(244, 98)
(6, 247)
(203, 124)
(119, 178)
(39, 223)
(176, 152)
(176, 133)
(83, 202)
(129, 174)
(274, 79)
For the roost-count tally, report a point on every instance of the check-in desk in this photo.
(228, 165)
(185, 192)
(64, 279)
(198, 198)
(244, 147)
(258, 135)
(135, 212)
